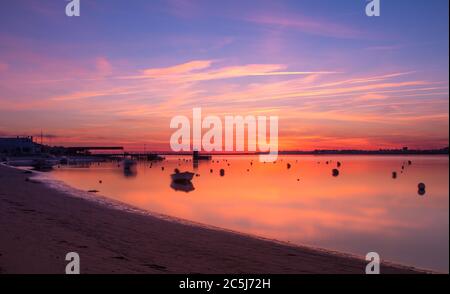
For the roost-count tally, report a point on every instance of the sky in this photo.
(336, 78)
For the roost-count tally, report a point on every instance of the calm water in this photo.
(362, 210)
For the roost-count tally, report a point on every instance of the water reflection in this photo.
(182, 186)
(361, 210)
(197, 163)
(129, 167)
(130, 172)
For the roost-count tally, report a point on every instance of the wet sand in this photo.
(40, 225)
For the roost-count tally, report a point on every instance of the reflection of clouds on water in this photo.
(362, 210)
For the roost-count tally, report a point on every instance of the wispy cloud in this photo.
(306, 25)
(104, 66)
(385, 47)
(201, 70)
(180, 69)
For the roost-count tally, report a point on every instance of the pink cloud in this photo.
(103, 65)
(372, 96)
(200, 70)
(184, 68)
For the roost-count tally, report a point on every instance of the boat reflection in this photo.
(185, 186)
(129, 172)
(181, 181)
(129, 168)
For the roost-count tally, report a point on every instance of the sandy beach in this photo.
(39, 225)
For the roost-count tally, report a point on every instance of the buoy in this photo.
(421, 187)
(335, 172)
(394, 175)
(288, 166)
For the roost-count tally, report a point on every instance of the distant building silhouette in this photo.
(19, 146)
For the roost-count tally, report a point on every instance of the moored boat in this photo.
(182, 176)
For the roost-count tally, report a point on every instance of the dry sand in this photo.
(39, 225)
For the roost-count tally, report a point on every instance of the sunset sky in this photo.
(117, 74)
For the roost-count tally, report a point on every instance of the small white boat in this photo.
(182, 177)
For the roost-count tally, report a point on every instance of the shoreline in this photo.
(39, 225)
